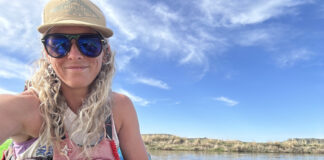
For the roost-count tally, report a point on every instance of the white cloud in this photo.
(185, 35)
(18, 29)
(141, 101)
(243, 12)
(116, 17)
(159, 28)
(152, 82)
(156, 28)
(125, 55)
(254, 37)
(227, 101)
(165, 13)
(13, 68)
(193, 54)
(4, 91)
(290, 59)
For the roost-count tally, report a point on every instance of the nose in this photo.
(74, 53)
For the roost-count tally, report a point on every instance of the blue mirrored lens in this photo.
(90, 45)
(57, 46)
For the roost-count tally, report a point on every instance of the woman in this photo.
(68, 110)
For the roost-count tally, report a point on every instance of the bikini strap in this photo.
(108, 126)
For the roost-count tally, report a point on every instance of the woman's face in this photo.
(75, 70)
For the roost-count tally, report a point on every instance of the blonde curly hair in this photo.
(95, 109)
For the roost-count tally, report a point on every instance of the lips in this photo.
(76, 67)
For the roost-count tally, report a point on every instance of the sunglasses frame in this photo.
(76, 37)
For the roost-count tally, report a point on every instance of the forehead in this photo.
(72, 30)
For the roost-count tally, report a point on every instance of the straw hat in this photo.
(74, 13)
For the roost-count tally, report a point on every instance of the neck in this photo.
(74, 96)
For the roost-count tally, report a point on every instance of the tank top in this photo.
(103, 149)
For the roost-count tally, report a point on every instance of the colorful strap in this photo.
(109, 127)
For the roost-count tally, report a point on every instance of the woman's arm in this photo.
(19, 116)
(9, 125)
(127, 126)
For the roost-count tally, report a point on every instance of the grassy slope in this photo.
(171, 142)
(4, 146)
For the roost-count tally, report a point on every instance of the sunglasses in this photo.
(59, 45)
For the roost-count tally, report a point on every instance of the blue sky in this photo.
(251, 70)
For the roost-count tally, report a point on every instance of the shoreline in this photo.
(175, 143)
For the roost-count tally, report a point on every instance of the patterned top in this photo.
(103, 149)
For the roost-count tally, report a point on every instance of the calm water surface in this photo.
(182, 155)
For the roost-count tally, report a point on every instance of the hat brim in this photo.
(106, 32)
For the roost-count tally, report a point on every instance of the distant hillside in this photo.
(171, 142)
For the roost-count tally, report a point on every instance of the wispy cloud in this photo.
(115, 18)
(152, 82)
(160, 28)
(125, 55)
(296, 56)
(141, 101)
(165, 13)
(257, 36)
(232, 13)
(13, 68)
(18, 29)
(188, 36)
(227, 101)
(4, 91)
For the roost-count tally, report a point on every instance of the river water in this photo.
(183, 155)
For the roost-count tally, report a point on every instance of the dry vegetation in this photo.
(170, 142)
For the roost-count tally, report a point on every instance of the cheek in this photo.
(98, 61)
(97, 66)
(56, 66)
(58, 69)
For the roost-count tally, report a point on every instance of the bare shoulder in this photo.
(121, 101)
(30, 96)
(27, 101)
(122, 108)
(19, 103)
(127, 127)
(20, 114)
(32, 120)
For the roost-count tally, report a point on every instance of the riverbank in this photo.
(175, 143)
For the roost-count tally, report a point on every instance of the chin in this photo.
(78, 84)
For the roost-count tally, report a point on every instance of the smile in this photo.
(76, 67)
